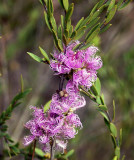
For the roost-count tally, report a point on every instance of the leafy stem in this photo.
(94, 95)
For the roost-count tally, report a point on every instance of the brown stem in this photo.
(52, 145)
(34, 145)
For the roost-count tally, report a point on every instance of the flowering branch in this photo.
(78, 63)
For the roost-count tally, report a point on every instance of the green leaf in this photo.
(39, 152)
(120, 136)
(68, 25)
(21, 95)
(61, 3)
(119, 3)
(113, 140)
(41, 2)
(103, 107)
(60, 44)
(69, 12)
(111, 5)
(93, 22)
(77, 46)
(85, 46)
(105, 28)
(125, 4)
(79, 33)
(70, 31)
(115, 158)
(66, 4)
(47, 21)
(111, 14)
(49, 7)
(78, 24)
(92, 33)
(94, 9)
(60, 32)
(98, 100)
(117, 152)
(22, 83)
(70, 153)
(98, 86)
(62, 22)
(47, 105)
(56, 40)
(53, 23)
(93, 89)
(36, 58)
(113, 129)
(123, 157)
(44, 54)
(98, 12)
(103, 114)
(113, 110)
(102, 99)
(100, 3)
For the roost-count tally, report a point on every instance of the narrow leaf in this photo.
(70, 153)
(69, 12)
(123, 157)
(61, 3)
(119, 3)
(111, 5)
(66, 4)
(125, 4)
(47, 106)
(98, 100)
(36, 58)
(105, 28)
(117, 152)
(120, 136)
(79, 33)
(44, 54)
(93, 89)
(113, 129)
(60, 32)
(98, 86)
(78, 24)
(53, 23)
(22, 83)
(103, 114)
(113, 110)
(92, 33)
(115, 158)
(111, 14)
(39, 152)
(47, 21)
(103, 107)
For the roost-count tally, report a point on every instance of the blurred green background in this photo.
(23, 29)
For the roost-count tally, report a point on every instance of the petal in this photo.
(28, 139)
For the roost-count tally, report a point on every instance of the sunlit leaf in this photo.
(47, 106)
(113, 129)
(36, 58)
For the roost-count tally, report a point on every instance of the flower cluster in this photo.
(81, 64)
(59, 122)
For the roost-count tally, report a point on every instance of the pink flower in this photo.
(82, 64)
